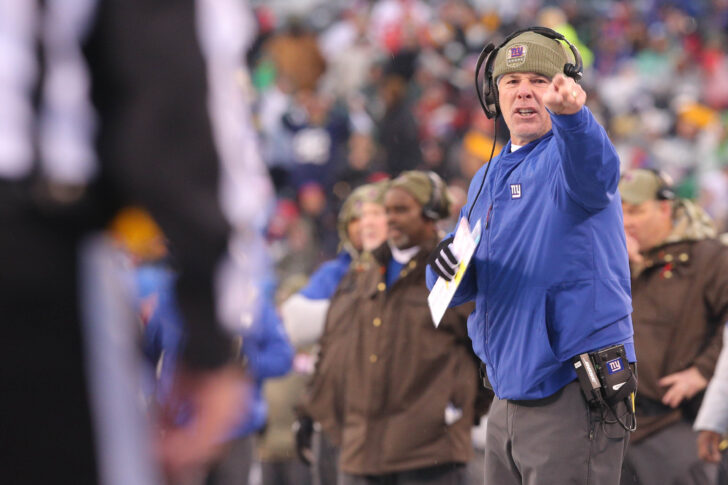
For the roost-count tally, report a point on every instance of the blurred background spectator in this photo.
(385, 86)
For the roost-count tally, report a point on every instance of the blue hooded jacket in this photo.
(268, 354)
(550, 276)
(163, 330)
(264, 345)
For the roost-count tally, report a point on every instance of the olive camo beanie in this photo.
(532, 52)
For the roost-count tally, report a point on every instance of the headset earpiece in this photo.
(576, 70)
(487, 95)
(491, 99)
(433, 209)
(572, 71)
(666, 193)
(665, 190)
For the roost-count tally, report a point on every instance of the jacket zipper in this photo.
(488, 217)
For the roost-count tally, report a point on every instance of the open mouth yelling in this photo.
(525, 113)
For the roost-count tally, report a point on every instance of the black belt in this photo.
(650, 407)
(521, 402)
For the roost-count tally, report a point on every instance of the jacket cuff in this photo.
(709, 421)
(705, 368)
(571, 122)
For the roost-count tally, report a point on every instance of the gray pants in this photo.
(475, 469)
(288, 472)
(325, 469)
(234, 467)
(668, 457)
(450, 474)
(557, 441)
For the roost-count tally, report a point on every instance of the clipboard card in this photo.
(463, 247)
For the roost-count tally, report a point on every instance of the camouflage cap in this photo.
(640, 185)
(532, 52)
(428, 189)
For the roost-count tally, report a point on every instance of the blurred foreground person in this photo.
(680, 298)
(712, 421)
(549, 277)
(261, 347)
(108, 103)
(407, 400)
(362, 228)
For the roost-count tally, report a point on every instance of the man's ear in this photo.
(666, 208)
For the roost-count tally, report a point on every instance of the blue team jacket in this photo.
(323, 282)
(163, 331)
(268, 354)
(550, 276)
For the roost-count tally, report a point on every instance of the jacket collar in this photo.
(690, 223)
(383, 253)
(403, 256)
(525, 149)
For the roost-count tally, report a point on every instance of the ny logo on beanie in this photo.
(516, 55)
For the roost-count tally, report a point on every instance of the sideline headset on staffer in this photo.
(488, 94)
(665, 190)
(433, 209)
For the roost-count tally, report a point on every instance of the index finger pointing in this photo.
(559, 80)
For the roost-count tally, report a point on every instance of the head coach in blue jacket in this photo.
(550, 275)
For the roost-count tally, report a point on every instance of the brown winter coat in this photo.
(401, 374)
(680, 301)
(324, 401)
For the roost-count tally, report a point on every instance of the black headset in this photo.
(488, 94)
(433, 209)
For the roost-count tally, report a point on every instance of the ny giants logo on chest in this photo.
(515, 191)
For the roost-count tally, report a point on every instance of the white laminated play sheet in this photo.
(463, 248)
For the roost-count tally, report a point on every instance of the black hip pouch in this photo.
(605, 375)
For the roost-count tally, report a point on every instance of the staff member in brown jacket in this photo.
(409, 397)
(680, 298)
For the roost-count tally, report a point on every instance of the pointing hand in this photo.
(564, 96)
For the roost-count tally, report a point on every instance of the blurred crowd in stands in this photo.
(356, 93)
